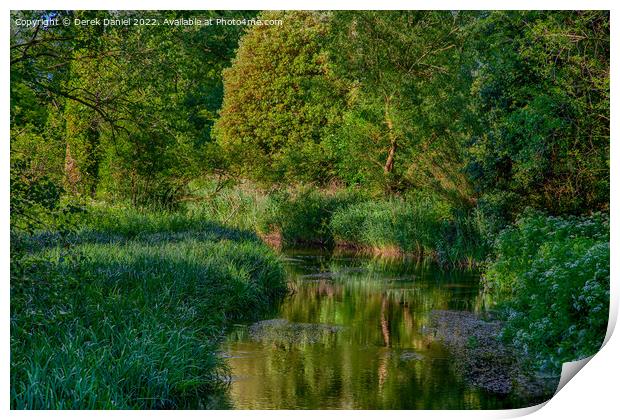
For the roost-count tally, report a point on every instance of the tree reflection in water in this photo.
(383, 357)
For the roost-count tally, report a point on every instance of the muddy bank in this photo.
(484, 360)
(273, 239)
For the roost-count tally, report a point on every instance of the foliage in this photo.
(449, 103)
(463, 239)
(420, 224)
(239, 205)
(554, 274)
(407, 225)
(403, 71)
(540, 123)
(130, 317)
(418, 132)
(37, 202)
(279, 101)
(137, 102)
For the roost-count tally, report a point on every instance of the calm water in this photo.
(381, 357)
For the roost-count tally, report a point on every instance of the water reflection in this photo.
(382, 357)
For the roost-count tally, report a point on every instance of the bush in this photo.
(553, 273)
(303, 217)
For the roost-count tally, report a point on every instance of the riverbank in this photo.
(547, 276)
(413, 225)
(485, 361)
(127, 311)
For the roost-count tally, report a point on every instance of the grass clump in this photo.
(462, 239)
(552, 275)
(303, 217)
(129, 314)
(406, 225)
(418, 224)
(240, 205)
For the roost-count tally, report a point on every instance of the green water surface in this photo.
(381, 356)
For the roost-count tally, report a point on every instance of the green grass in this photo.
(303, 217)
(127, 312)
(241, 206)
(408, 226)
(418, 225)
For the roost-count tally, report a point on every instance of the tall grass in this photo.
(127, 312)
(419, 225)
(407, 226)
(304, 216)
(240, 206)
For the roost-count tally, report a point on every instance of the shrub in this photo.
(554, 274)
(303, 217)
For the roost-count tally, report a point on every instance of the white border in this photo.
(593, 393)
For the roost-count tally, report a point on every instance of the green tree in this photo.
(280, 100)
(404, 97)
(541, 110)
(138, 101)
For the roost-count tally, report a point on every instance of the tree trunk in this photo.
(389, 163)
(72, 174)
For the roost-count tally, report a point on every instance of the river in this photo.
(354, 334)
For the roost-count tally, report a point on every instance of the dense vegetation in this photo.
(146, 159)
(556, 271)
(127, 311)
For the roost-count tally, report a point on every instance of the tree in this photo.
(401, 68)
(541, 110)
(280, 101)
(139, 101)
